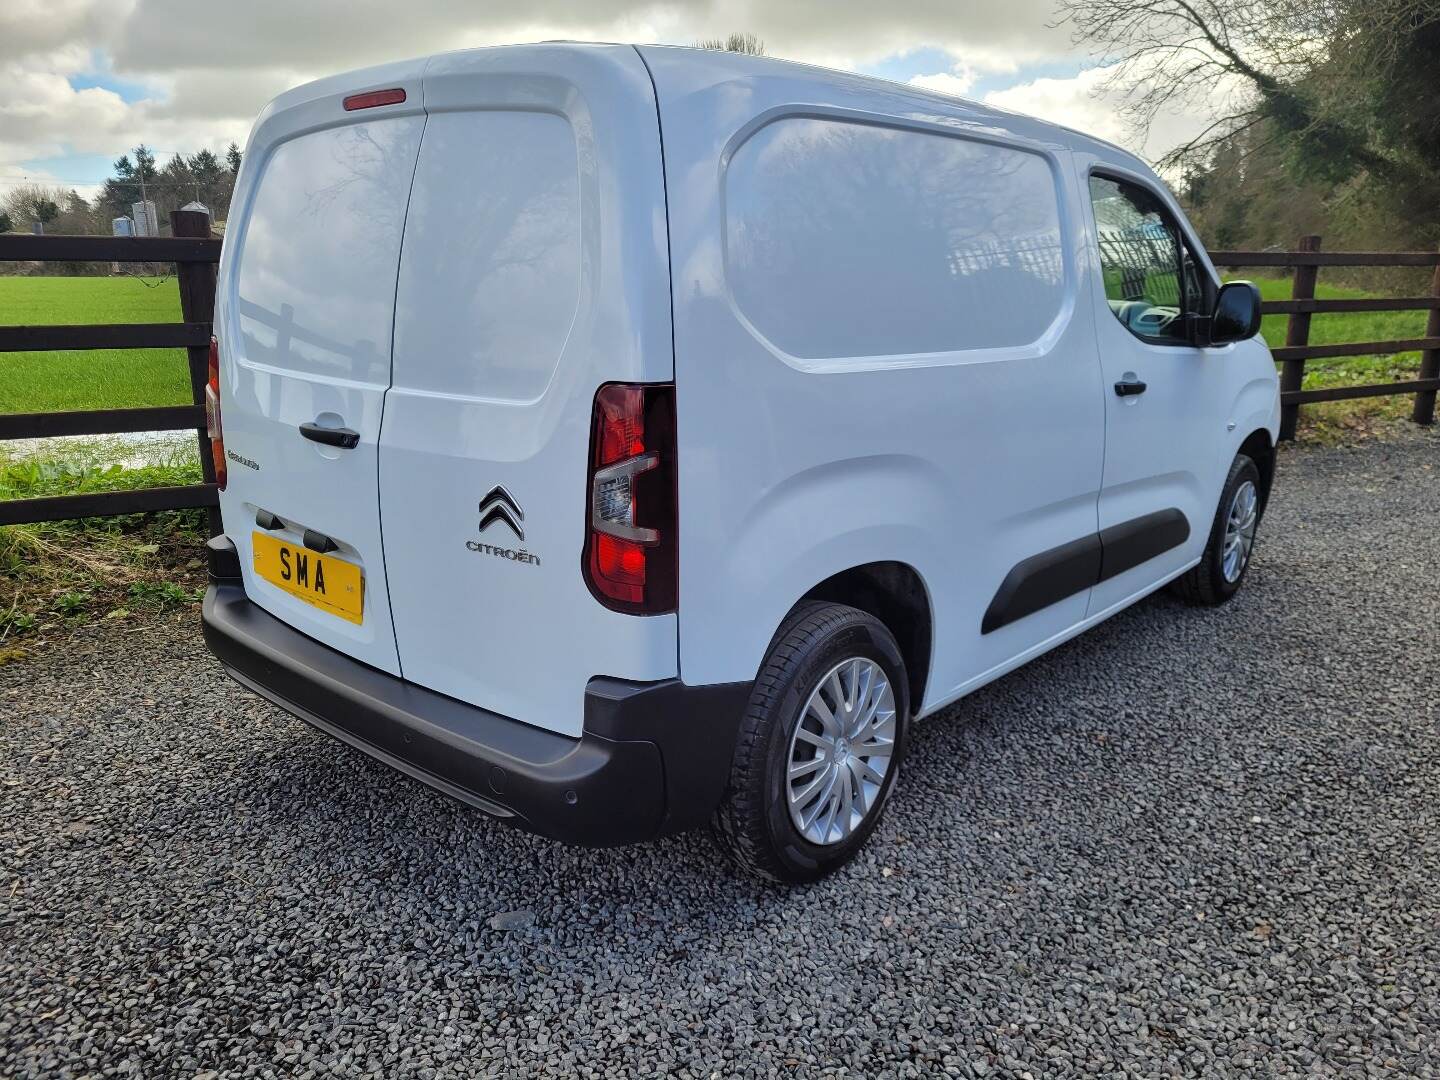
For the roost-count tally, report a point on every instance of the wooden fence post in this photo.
(1297, 333)
(197, 304)
(1429, 359)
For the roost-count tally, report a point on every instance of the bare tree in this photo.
(1297, 65)
(29, 203)
(748, 44)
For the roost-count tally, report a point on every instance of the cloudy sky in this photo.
(87, 79)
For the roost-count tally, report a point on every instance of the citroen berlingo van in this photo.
(623, 439)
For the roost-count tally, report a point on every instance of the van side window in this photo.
(1151, 279)
(860, 240)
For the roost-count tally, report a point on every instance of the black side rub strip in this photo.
(1049, 577)
(1044, 579)
(1127, 545)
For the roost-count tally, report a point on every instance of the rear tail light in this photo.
(630, 551)
(212, 414)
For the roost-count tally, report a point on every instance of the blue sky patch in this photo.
(73, 169)
(904, 66)
(100, 75)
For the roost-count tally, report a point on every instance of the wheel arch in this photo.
(895, 593)
(1260, 448)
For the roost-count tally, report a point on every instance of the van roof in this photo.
(745, 64)
(741, 65)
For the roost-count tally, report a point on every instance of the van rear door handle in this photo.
(342, 437)
(1129, 387)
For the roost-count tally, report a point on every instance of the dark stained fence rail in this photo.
(102, 336)
(1307, 261)
(47, 425)
(191, 246)
(195, 251)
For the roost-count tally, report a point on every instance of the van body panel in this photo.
(303, 318)
(893, 338)
(1170, 447)
(814, 463)
(533, 271)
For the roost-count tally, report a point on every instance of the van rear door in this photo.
(534, 270)
(305, 318)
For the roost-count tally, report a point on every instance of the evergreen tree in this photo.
(122, 190)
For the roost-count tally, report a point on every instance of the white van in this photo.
(622, 439)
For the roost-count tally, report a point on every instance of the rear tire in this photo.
(801, 804)
(1221, 570)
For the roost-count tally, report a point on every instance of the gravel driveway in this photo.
(1190, 843)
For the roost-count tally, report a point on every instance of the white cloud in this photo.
(955, 82)
(207, 69)
(1085, 104)
(42, 115)
(331, 35)
(1075, 102)
(28, 27)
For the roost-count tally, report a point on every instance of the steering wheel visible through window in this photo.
(1151, 279)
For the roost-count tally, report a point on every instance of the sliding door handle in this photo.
(330, 436)
(1129, 387)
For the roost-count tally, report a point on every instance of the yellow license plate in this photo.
(331, 584)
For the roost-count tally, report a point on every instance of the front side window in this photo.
(1151, 279)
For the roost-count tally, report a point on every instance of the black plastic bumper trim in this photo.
(653, 759)
(223, 560)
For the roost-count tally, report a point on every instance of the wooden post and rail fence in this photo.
(195, 252)
(1307, 260)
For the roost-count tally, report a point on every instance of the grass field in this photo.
(1343, 420)
(1335, 329)
(102, 379)
(121, 378)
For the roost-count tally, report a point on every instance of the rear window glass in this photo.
(490, 276)
(316, 282)
(846, 239)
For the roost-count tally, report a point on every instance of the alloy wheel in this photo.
(841, 751)
(1240, 525)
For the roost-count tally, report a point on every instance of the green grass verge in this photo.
(96, 379)
(59, 575)
(86, 466)
(123, 378)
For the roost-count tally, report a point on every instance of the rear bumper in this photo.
(653, 759)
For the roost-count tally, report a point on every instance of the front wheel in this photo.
(1221, 569)
(820, 745)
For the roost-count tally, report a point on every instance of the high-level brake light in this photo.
(370, 99)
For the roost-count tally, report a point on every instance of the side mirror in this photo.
(1237, 313)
